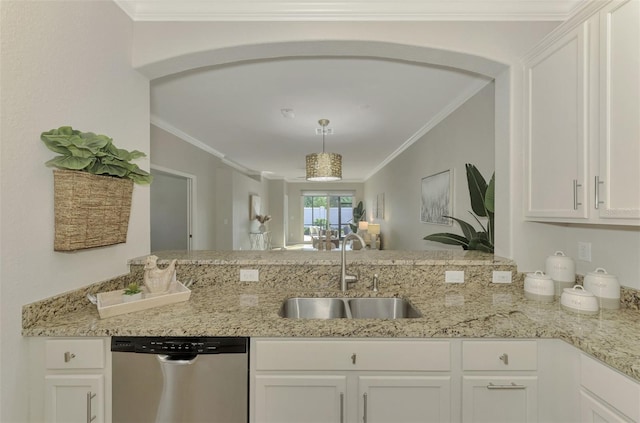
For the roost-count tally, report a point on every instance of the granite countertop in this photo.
(221, 306)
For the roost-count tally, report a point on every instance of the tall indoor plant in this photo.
(93, 186)
(482, 196)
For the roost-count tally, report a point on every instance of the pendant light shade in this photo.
(323, 167)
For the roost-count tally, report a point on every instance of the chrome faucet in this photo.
(344, 278)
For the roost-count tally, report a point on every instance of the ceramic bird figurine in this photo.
(155, 279)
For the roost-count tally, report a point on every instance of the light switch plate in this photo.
(454, 276)
(584, 251)
(249, 275)
(501, 276)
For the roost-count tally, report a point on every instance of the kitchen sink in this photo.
(348, 308)
(382, 308)
(314, 308)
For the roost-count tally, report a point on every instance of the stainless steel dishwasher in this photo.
(180, 379)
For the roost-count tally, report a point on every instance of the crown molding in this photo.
(156, 121)
(472, 90)
(349, 10)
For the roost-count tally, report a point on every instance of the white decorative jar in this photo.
(605, 287)
(562, 270)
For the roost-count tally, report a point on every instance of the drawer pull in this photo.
(341, 407)
(511, 386)
(504, 358)
(90, 416)
(364, 414)
(353, 358)
(68, 356)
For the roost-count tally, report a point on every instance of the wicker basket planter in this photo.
(90, 210)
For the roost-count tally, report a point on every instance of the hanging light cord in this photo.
(324, 123)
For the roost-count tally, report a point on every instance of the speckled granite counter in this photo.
(220, 305)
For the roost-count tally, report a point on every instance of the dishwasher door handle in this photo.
(166, 359)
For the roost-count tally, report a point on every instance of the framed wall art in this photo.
(436, 199)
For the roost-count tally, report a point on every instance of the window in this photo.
(327, 210)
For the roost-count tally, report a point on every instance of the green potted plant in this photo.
(93, 185)
(95, 154)
(482, 197)
(132, 293)
(359, 214)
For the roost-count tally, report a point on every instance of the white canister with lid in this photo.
(578, 300)
(605, 287)
(562, 270)
(539, 287)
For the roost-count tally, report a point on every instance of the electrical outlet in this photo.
(454, 276)
(584, 251)
(249, 275)
(501, 276)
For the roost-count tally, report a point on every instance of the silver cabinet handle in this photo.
(510, 386)
(90, 416)
(596, 190)
(68, 356)
(341, 407)
(504, 358)
(364, 414)
(576, 185)
(353, 358)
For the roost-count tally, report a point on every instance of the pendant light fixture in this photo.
(323, 166)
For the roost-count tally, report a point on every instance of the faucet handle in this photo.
(374, 287)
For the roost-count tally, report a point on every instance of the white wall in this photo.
(171, 152)
(277, 210)
(63, 63)
(465, 136)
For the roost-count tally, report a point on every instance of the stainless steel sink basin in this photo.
(314, 308)
(348, 308)
(382, 308)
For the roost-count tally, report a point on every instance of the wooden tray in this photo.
(111, 304)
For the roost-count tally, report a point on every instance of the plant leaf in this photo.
(447, 238)
(481, 244)
(489, 196)
(477, 189)
(70, 162)
(141, 179)
(468, 230)
(105, 169)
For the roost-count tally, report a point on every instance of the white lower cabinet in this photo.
(507, 399)
(300, 398)
(338, 381)
(593, 410)
(392, 399)
(500, 381)
(70, 380)
(607, 395)
(74, 398)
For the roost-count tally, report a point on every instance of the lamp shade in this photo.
(363, 225)
(374, 229)
(324, 167)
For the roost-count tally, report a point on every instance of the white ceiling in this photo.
(376, 108)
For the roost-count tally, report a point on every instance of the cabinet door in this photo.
(619, 176)
(594, 411)
(556, 139)
(74, 398)
(414, 399)
(300, 399)
(499, 399)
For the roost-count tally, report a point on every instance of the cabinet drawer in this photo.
(74, 353)
(499, 355)
(399, 355)
(618, 390)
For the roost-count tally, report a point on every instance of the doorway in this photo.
(171, 210)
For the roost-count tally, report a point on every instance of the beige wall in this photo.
(63, 63)
(171, 152)
(465, 136)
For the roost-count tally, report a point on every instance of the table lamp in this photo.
(374, 231)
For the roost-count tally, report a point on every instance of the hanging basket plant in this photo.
(93, 185)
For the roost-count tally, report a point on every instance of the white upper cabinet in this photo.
(555, 104)
(618, 190)
(582, 121)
